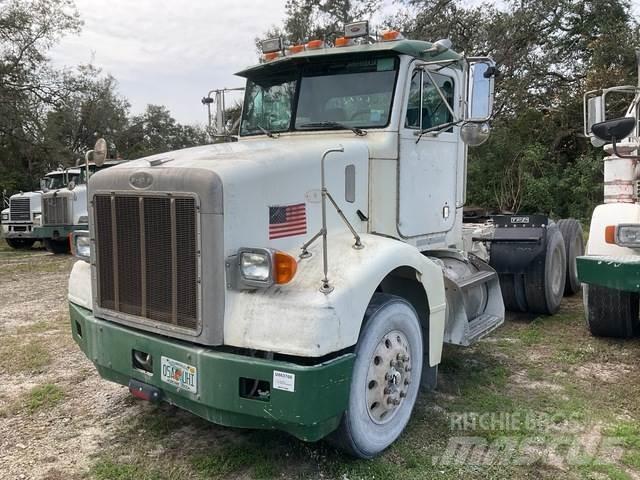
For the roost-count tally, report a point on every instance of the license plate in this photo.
(180, 375)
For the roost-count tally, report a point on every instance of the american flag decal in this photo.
(287, 220)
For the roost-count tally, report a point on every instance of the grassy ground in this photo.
(540, 398)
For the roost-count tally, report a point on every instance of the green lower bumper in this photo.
(310, 412)
(618, 273)
(57, 232)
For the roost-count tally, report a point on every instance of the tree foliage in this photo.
(50, 117)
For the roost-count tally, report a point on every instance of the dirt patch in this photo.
(603, 372)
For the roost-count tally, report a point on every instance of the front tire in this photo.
(19, 243)
(611, 313)
(57, 246)
(385, 380)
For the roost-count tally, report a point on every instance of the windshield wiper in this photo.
(268, 133)
(358, 131)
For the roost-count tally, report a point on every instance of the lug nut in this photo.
(387, 391)
(407, 381)
(403, 395)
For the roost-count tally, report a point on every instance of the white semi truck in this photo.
(24, 215)
(64, 209)
(306, 277)
(610, 270)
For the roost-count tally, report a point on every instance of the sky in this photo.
(168, 52)
(172, 53)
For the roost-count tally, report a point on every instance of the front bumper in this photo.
(618, 273)
(19, 230)
(310, 412)
(57, 232)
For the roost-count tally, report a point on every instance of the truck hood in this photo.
(254, 155)
(249, 180)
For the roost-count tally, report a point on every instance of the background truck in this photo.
(24, 215)
(306, 277)
(64, 209)
(610, 270)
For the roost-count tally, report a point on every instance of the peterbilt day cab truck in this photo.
(306, 277)
(24, 215)
(64, 209)
(610, 270)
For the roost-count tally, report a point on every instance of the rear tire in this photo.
(574, 247)
(374, 419)
(513, 295)
(57, 247)
(18, 243)
(611, 313)
(545, 278)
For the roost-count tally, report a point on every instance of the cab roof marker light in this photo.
(343, 42)
(391, 35)
(267, 57)
(356, 29)
(271, 45)
(293, 49)
(315, 44)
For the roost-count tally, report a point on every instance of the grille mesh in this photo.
(55, 211)
(146, 250)
(20, 209)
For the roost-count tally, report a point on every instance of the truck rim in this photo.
(389, 377)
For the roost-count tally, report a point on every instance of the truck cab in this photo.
(64, 208)
(24, 215)
(306, 277)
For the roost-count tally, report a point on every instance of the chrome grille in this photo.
(146, 252)
(20, 209)
(55, 211)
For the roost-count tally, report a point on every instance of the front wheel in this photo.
(20, 242)
(56, 246)
(385, 380)
(611, 313)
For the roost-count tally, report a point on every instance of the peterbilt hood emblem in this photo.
(141, 180)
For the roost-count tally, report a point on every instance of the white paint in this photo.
(611, 214)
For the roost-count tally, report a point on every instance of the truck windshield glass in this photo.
(54, 182)
(356, 93)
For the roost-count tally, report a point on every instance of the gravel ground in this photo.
(59, 420)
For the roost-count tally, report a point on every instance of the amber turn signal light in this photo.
(284, 267)
(610, 234)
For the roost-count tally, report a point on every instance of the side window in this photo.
(434, 110)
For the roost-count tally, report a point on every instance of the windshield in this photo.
(53, 182)
(347, 94)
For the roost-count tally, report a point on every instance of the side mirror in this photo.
(615, 129)
(475, 134)
(43, 185)
(100, 152)
(71, 185)
(480, 91)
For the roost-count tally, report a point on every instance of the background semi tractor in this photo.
(306, 277)
(610, 270)
(24, 215)
(64, 209)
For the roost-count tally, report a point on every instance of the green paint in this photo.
(63, 231)
(619, 273)
(413, 48)
(310, 413)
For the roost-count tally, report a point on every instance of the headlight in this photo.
(81, 245)
(37, 218)
(259, 267)
(5, 217)
(628, 235)
(255, 266)
(83, 219)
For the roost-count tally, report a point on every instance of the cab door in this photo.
(428, 164)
